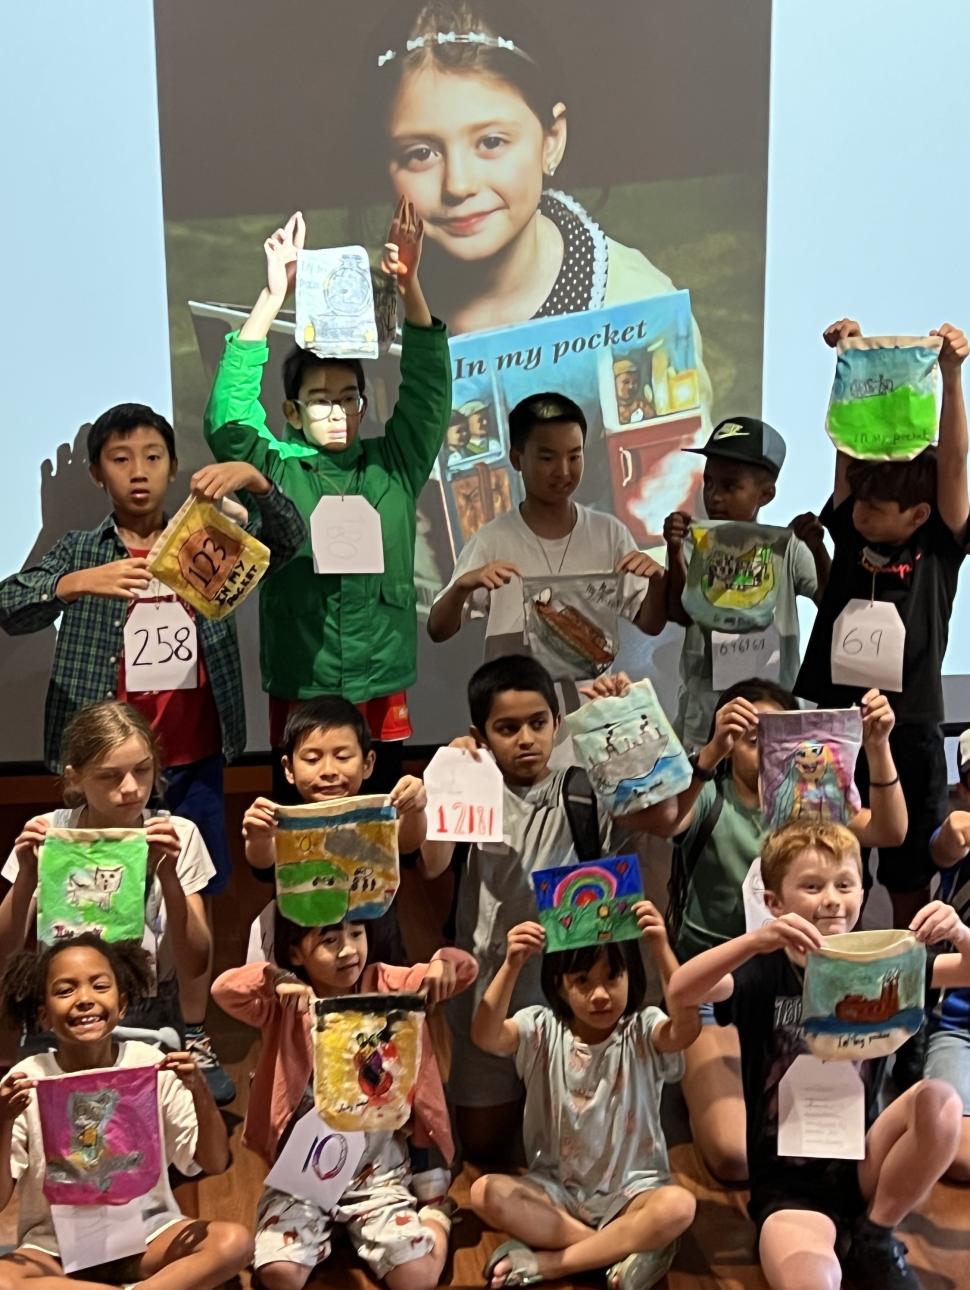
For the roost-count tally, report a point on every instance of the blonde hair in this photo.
(94, 732)
(786, 844)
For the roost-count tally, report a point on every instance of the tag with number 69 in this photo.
(868, 643)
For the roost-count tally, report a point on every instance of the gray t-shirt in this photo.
(698, 698)
(592, 1111)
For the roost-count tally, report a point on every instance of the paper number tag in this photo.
(89, 1235)
(868, 643)
(465, 797)
(756, 912)
(161, 648)
(345, 533)
(821, 1110)
(737, 656)
(317, 1163)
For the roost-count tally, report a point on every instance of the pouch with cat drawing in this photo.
(92, 880)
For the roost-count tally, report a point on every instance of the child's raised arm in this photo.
(281, 249)
(707, 978)
(402, 255)
(952, 499)
(938, 922)
(212, 1141)
(17, 906)
(683, 1024)
(885, 821)
(951, 842)
(14, 1099)
(491, 1029)
(410, 800)
(832, 335)
(259, 833)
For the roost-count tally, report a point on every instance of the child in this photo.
(743, 458)
(813, 887)
(900, 535)
(332, 633)
(948, 1047)
(504, 246)
(112, 766)
(719, 832)
(329, 754)
(403, 1245)
(515, 715)
(598, 1191)
(79, 989)
(548, 533)
(92, 580)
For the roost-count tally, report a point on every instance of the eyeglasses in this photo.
(322, 409)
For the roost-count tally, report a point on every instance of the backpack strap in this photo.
(703, 834)
(683, 864)
(579, 803)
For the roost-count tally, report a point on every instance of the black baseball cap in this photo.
(746, 439)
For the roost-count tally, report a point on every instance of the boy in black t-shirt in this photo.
(899, 530)
(802, 1207)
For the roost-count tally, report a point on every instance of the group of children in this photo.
(557, 1055)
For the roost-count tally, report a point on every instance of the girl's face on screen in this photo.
(470, 153)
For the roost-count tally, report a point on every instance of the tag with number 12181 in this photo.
(465, 797)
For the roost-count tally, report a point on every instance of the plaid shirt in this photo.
(90, 641)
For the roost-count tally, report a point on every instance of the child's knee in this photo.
(725, 1162)
(282, 1276)
(419, 1274)
(232, 1244)
(484, 1195)
(938, 1109)
(678, 1208)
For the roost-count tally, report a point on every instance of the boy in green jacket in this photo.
(335, 632)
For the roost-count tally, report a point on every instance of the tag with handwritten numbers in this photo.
(465, 797)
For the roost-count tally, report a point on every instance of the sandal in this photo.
(524, 1270)
(642, 1270)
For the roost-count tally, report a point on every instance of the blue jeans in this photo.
(195, 791)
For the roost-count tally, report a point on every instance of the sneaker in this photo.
(221, 1087)
(877, 1261)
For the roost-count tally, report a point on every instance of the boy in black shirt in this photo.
(802, 1207)
(900, 534)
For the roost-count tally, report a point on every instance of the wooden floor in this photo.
(717, 1252)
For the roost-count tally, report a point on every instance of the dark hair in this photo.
(123, 418)
(908, 483)
(510, 672)
(756, 690)
(23, 981)
(540, 410)
(300, 361)
(287, 935)
(329, 712)
(621, 956)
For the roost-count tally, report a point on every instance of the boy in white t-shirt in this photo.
(548, 533)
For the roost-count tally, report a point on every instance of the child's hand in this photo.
(467, 744)
(676, 529)
(810, 530)
(163, 843)
(408, 795)
(878, 718)
(440, 980)
(638, 563)
(402, 250)
(15, 1096)
(282, 248)
(790, 932)
(939, 921)
(30, 841)
(732, 722)
(186, 1068)
(525, 941)
(840, 331)
(117, 580)
(955, 347)
(651, 922)
(214, 481)
(613, 684)
(491, 576)
(260, 820)
(294, 996)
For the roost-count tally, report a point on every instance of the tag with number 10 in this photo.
(868, 643)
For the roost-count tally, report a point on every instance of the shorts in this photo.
(381, 1220)
(829, 1187)
(948, 1058)
(196, 792)
(387, 717)
(480, 1079)
(706, 1013)
(920, 758)
(599, 1209)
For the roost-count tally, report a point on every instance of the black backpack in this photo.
(683, 864)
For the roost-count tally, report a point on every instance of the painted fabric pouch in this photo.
(807, 765)
(734, 574)
(629, 750)
(884, 404)
(102, 1141)
(864, 994)
(207, 559)
(341, 309)
(589, 903)
(572, 623)
(336, 859)
(367, 1050)
(92, 880)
